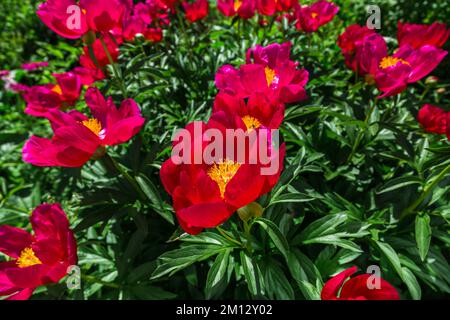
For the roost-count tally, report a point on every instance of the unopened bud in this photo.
(252, 210)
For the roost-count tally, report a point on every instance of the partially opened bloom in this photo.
(347, 42)
(63, 94)
(78, 138)
(310, 18)
(72, 19)
(357, 288)
(418, 35)
(244, 8)
(392, 73)
(433, 119)
(37, 259)
(30, 66)
(268, 70)
(206, 192)
(196, 10)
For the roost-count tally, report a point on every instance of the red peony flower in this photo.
(206, 194)
(356, 288)
(78, 138)
(40, 99)
(153, 34)
(347, 42)
(433, 119)
(72, 20)
(132, 27)
(196, 10)
(418, 35)
(393, 73)
(244, 8)
(266, 7)
(34, 65)
(271, 73)
(310, 18)
(257, 112)
(37, 259)
(407, 65)
(89, 72)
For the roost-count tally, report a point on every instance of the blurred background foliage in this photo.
(326, 213)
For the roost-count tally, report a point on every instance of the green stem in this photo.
(362, 131)
(248, 236)
(426, 191)
(117, 74)
(126, 175)
(103, 283)
(424, 93)
(226, 235)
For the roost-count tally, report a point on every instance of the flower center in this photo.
(391, 61)
(251, 123)
(270, 75)
(94, 125)
(84, 11)
(57, 89)
(27, 258)
(237, 5)
(222, 173)
(314, 15)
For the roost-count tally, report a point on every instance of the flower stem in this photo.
(426, 191)
(126, 175)
(361, 132)
(248, 236)
(117, 74)
(228, 237)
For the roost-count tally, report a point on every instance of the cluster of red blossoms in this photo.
(250, 98)
(36, 259)
(419, 53)
(306, 18)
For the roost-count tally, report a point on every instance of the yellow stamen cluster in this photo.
(237, 5)
(94, 125)
(251, 123)
(27, 258)
(57, 89)
(270, 75)
(314, 15)
(222, 173)
(391, 61)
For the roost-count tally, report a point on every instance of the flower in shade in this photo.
(244, 8)
(92, 71)
(205, 194)
(310, 18)
(72, 20)
(196, 10)
(347, 42)
(357, 288)
(36, 259)
(63, 94)
(417, 35)
(268, 70)
(34, 65)
(78, 138)
(433, 119)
